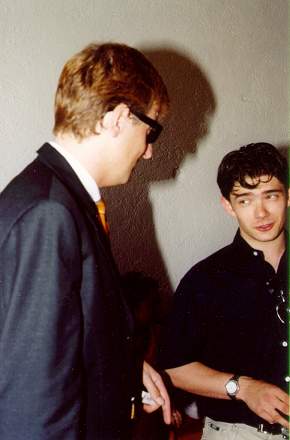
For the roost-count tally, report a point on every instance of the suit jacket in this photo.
(67, 369)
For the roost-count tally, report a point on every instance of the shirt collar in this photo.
(86, 179)
(244, 248)
(250, 257)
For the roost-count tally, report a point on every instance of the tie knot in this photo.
(101, 206)
(102, 215)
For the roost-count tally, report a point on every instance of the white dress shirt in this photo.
(86, 179)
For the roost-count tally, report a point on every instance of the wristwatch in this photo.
(232, 386)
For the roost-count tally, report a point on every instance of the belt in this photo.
(264, 428)
(275, 429)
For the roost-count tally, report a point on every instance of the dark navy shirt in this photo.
(224, 316)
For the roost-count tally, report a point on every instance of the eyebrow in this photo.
(249, 193)
(237, 195)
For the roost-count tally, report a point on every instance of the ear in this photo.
(114, 120)
(226, 204)
(288, 203)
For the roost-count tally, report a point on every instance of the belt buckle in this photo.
(260, 428)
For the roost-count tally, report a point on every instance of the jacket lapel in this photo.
(64, 172)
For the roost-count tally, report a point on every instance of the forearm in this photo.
(264, 399)
(199, 379)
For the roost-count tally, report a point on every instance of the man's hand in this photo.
(265, 400)
(154, 384)
(176, 418)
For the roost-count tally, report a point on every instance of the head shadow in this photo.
(192, 104)
(130, 214)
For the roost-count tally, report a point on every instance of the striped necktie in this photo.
(102, 215)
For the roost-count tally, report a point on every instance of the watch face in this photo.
(231, 387)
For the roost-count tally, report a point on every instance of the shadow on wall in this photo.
(133, 236)
(284, 150)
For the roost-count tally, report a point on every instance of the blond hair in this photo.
(99, 78)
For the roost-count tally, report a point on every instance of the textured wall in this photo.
(225, 63)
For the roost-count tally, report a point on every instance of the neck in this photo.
(84, 152)
(274, 254)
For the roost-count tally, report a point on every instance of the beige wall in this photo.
(225, 63)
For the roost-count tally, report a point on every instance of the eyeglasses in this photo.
(282, 311)
(281, 308)
(156, 128)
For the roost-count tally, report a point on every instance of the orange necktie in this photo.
(102, 215)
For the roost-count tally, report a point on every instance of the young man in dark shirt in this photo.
(226, 341)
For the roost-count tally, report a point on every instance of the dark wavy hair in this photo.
(251, 161)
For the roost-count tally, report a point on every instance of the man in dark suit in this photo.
(67, 366)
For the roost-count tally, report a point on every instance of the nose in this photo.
(260, 209)
(148, 152)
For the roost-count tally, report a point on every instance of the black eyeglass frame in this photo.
(156, 128)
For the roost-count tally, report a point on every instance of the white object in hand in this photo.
(147, 399)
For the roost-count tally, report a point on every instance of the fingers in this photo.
(281, 408)
(152, 381)
(283, 403)
(159, 393)
(176, 418)
(271, 416)
(268, 402)
(276, 406)
(150, 408)
(155, 386)
(282, 421)
(166, 408)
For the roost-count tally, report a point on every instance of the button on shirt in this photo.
(224, 315)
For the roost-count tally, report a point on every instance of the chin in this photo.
(123, 180)
(271, 236)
